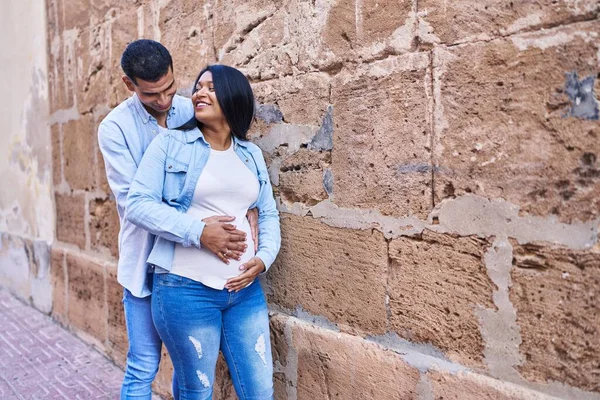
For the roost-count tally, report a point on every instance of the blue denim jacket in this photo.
(123, 137)
(163, 188)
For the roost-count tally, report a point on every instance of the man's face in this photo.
(157, 96)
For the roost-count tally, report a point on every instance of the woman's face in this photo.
(206, 106)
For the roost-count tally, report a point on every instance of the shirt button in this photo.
(170, 167)
(246, 160)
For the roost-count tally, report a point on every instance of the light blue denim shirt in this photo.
(123, 136)
(164, 185)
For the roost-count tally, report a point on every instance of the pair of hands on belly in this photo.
(222, 238)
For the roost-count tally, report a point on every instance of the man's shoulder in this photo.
(184, 104)
(182, 99)
(121, 114)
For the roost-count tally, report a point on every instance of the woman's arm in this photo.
(269, 233)
(145, 207)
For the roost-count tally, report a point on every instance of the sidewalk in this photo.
(41, 360)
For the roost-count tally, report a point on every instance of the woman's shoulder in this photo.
(180, 136)
(252, 148)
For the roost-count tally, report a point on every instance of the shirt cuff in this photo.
(194, 233)
(266, 259)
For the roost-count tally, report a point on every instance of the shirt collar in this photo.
(193, 135)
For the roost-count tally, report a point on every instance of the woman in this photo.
(199, 303)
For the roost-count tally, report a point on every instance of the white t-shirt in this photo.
(225, 187)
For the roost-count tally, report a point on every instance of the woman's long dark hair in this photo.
(235, 97)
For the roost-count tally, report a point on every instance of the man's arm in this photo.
(118, 161)
(146, 209)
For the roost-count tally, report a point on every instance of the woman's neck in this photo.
(219, 137)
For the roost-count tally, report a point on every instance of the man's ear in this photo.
(130, 85)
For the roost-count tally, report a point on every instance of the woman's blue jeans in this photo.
(195, 321)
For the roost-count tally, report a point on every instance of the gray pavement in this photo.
(41, 360)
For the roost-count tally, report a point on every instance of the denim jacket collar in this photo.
(144, 114)
(193, 135)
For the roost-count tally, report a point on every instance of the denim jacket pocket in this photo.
(175, 174)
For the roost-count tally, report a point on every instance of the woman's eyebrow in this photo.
(204, 82)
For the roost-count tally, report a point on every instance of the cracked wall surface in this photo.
(435, 165)
(27, 220)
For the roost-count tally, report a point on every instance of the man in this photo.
(123, 137)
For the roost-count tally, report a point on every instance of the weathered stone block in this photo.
(436, 283)
(469, 386)
(235, 22)
(58, 278)
(302, 100)
(123, 29)
(382, 137)
(62, 70)
(555, 293)
(104, 226)
(55, 132)
(339, 366)
(67, 15)
(87, 304)
(187, 31)
(336, 273)
(464, 21)
(369, 29)
(504, 124)
(279, 347)
(117, 331)
(94, 62)
(301, 177)
(70, 210)
(266, 52)
(54, 19)
(79, 148)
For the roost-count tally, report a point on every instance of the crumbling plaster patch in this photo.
(25, 159)
(466, 215)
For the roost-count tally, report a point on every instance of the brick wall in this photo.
(436, 166)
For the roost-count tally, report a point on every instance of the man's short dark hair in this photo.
(146, 59)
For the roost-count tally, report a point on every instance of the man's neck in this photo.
(161, 117)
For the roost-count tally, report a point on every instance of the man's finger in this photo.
(237, 246)
(233, 254)
(237, 238)
(229, 227)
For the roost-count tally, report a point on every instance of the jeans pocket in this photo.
(170, 280)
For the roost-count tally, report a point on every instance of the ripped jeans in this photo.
(195, 321)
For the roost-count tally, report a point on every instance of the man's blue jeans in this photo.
(143, 356)
(195, 321)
